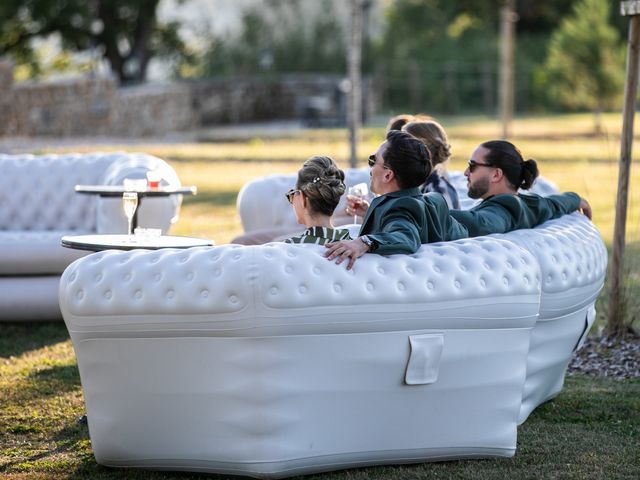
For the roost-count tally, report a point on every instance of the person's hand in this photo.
(346, 249)
(356, 206)
(585, 208)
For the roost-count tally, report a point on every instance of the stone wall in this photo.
(285, 97)
(151, 110)
(6, 98)
(238, 100)
(87, 106)
(62, 109)
(96, 106)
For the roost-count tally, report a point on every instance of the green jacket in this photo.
(401, 221)
(503, 213)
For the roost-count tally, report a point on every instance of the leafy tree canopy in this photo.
(125, 32)
(585, 63)
(281, 37)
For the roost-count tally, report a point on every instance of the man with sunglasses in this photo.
(495, 173)
(401, 218)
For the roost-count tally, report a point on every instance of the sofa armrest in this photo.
(158, 212)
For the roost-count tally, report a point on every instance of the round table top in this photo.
(98, 243)
(118, 190)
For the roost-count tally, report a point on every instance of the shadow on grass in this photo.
(60, 377)
(72, 440)
(219, 198)
(42, 385)
(15, 339)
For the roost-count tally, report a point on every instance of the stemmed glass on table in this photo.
(129, 205)
(357, 193)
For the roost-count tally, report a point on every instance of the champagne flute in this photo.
(129, 205)
(357, 193)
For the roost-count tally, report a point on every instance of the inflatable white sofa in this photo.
(261, 203)
(271, 361)
(39, 206)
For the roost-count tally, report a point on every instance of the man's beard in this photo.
(479, 188)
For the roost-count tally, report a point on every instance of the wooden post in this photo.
(615, 325)
(354, 110)
(508, 21)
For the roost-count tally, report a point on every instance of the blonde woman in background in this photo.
(435, 139)
(433, 136)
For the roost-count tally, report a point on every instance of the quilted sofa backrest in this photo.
(278, 286)
(572, 259)
(37, 192)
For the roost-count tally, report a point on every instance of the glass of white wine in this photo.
(357, 193)
(129, 205)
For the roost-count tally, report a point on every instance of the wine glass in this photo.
(129, 205)
(357, 194)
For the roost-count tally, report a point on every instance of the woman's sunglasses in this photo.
(290, 194)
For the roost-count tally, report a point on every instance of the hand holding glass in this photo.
(129, 205)
(356, 194)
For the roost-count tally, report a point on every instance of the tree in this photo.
(280, 36)
(125, 32)
(585, 62)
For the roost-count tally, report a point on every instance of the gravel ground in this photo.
(603, 356)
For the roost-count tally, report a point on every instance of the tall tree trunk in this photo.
(354, 113)
(131, 66)
(615, 316)
(508, 18)
(140, 52)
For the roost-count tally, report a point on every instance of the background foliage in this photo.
(279, 38)
(425, 55)
(124, 32)
(583, 63)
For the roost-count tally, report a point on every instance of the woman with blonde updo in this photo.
(435, 139)
(318, 190)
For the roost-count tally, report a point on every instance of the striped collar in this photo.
(333, 234)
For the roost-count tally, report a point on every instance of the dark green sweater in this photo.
(503, 213)
(401, 221)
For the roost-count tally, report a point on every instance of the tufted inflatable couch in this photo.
(573, 263)
(271, 361)
(39, 206)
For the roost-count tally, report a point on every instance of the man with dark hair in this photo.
(401, 218)
(495, 173)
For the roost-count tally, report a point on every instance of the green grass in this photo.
(592, 430)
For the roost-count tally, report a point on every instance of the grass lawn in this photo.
(592, 430)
